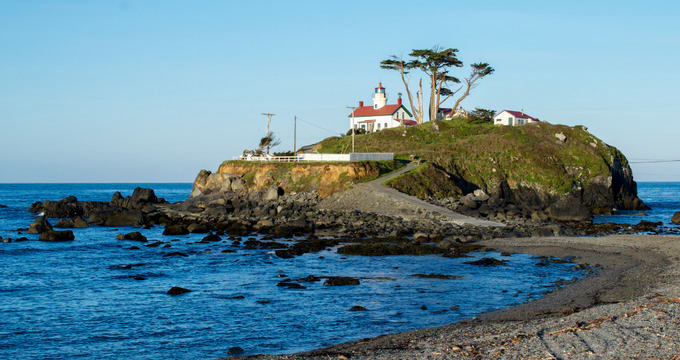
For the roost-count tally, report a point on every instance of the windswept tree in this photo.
(268, 142)
(398, 64)
(437, 64)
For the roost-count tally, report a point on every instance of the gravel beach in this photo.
(629, 309)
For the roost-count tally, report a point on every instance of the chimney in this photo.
(399, 99)
(361, 104)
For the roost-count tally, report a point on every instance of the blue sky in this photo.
(154, 91)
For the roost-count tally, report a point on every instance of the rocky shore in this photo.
(630, 304)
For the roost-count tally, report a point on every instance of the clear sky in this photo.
(156, 90)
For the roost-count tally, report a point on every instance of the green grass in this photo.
(483, 155)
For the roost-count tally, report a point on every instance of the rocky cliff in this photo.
(263, 178)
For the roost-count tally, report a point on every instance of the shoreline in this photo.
(629, 308)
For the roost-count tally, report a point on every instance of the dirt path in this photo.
(377, 198)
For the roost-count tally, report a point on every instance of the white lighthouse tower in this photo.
(379, 98)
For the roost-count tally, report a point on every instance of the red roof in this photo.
(370, 111)
(521, 115)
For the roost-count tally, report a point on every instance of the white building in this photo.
(512, 118)
(381, 115)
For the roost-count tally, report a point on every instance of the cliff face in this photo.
(322, 178)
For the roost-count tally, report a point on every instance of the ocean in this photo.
(101, 298)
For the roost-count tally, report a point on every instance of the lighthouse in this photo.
(379, 98)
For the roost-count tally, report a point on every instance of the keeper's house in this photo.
(513, 118)
(381, 115)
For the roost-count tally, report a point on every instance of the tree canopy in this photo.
(438, 65)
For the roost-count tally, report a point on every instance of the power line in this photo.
(320, 127)
(652, 161)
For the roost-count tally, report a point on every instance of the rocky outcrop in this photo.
(120, 211)
(264, 178)
(39, 226)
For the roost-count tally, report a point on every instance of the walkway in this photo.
(377, 198)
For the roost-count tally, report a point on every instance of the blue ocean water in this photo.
(662, 197)
(101, 298)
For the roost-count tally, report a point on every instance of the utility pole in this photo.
(269, 119)
(294, 134)
(352, 107)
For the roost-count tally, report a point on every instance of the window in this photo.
(520, 121)
(378, 126)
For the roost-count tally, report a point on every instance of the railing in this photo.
(320, 157)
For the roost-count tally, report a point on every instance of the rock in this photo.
(56, 236)
(134, 236)
(65, 208)
(176, 229)
(341, 281)
(141, 198)
(569, 208)
(3, 206)
(487, 262)
(469, 201)
(420, 237)
(39, 226)
(77, 222)
(273, 193)
(480, 195)
(207, 182)
(115, 217)
(6, 240)
(235, 351)
(561, 137)
(175, 253)
(290, 285)
(641, 214)
(211, 238)
(358, 308)
(197, 228)
(676, 218)
(176, 290)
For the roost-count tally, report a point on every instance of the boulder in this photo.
(207, 182)
(117, 217)
(141, 198)
(235, 351)
(487, 262)
(39, 226)
(561, 137)
(272, 193)
(176, 290)
(56, 236)
(176, 229)
(341, 281)
(676, 218)
(134, 236)
(469, 201)
(195, 228)
(77, 222)
(65, 208)
(569, 208)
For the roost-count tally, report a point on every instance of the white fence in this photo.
(320, 157)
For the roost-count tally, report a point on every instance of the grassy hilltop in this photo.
(460, 156)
